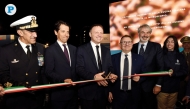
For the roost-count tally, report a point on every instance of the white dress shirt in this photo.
(23, 45)
(139, 46)
(61, 45)
(122, 68)
(95, 51)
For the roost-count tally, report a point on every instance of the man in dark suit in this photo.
(126, 98)
(60, 60)
(153, 56)
(91, 64)
(20, 66)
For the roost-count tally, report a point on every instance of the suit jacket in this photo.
(86, 67)
(153, 57)
(17, 69)
(137, 68)
(57, 69)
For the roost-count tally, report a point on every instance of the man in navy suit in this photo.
(93, 61)
(153, 56)
(21, 64)
(126, 99)
(60, 63)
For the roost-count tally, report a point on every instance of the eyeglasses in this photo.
(126, 42)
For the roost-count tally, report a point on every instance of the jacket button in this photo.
(26, 82)
(26, 74)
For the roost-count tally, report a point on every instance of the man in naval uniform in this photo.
(186, 52)
(21, 64)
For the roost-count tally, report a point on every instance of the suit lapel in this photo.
(135, 48)
(133, 64)
(71, 55)
(118, 59)
(33, 59)
(91, 54)
(19, 51)
(148, 50)
(23, 57)
(103, 54)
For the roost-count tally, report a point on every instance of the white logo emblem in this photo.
(15, 61)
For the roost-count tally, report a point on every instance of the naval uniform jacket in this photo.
(187, 57)
(17, 69)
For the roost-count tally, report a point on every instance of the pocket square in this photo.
(14, 61)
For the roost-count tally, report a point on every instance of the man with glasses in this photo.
(125, 92)
(153, 61)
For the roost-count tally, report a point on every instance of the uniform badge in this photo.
(33, 22)
(40, 59)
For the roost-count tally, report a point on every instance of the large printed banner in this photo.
(166, 17)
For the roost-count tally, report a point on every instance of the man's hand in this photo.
(101, 81)
(186, 99)
(69, 81)
(170, 72)
(110, 97)
(136, 78)
(156, 89)
(2, 91)
(112, 77)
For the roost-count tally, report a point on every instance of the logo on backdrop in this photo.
(10, 9)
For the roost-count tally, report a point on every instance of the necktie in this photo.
(125, 73)
(141, 52)
(66, 52)
(28, 51)
(99, 60)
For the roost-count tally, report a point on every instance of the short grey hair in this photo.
(144, 26)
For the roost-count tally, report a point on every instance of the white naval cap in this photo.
(26, 23)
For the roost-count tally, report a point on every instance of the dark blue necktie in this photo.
(125, 73)
(141, 52)
(28, 51)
